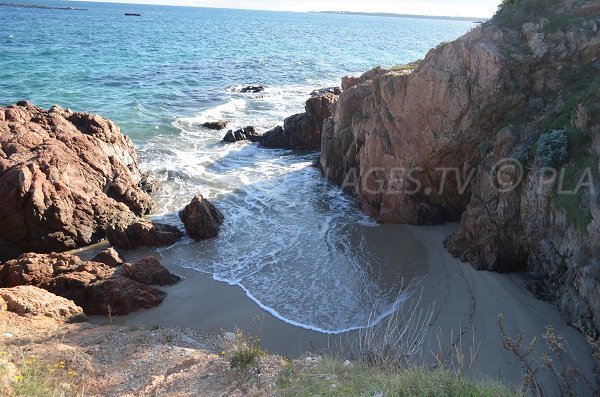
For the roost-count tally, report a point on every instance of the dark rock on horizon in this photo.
(65, 178)
(215, 125)
(303, 130)
(202, 219)
(245, 134)
(143, 233)
(149, 271)
(253, 89)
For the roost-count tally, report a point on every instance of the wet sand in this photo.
(465, 302)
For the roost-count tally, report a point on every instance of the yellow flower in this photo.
(18, 378)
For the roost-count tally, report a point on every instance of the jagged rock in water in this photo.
(303, 130)
(244, 134)
(202, 219)
(65, 177)
(215, 125)
(253, 89)
(149, 271)
(327, 90)
(143, 233)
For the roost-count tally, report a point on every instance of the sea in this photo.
(297, 245)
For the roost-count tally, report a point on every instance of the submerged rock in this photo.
(245, 134)
(303, 130)
(215, 125)
(202, 219)
(143, 233)
(253, 89)
(149, 271)
(65, 177)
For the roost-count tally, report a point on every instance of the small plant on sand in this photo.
(453, 358)
(243, 351)
(568, 381)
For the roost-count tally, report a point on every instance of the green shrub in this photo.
(551, 148)
(244, 351)
(514, 13)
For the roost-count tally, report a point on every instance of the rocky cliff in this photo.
(66, 179)
(498, 130)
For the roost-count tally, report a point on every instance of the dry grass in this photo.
(333, 378)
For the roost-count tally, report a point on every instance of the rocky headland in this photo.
(483, 131)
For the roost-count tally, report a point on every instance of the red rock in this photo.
(64, 178)
(91, 285)
(120, 295)
(149, 271)
(201, 218)
(33, 301)
(109, 257)
(303, 130)
(143, 233)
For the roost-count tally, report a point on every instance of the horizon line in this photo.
(365, 13)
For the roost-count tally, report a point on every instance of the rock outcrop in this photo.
(65, 178)
(215, 125)
(142, 233)
(201, 218)
(244, 134)
(431, 145)
(303, 130)
(149, 271)
(32, 301)
(253, 89)
(109, 257)
(96, 287)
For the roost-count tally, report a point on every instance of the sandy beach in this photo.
(464, 301)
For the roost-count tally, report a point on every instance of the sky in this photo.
(469, 8)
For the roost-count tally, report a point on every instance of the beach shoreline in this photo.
(464, 301)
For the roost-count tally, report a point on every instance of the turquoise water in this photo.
(295, 244)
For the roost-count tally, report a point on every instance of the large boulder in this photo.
(142, 233)
(119, 296)
(65, 177)
(201, 218)
(28, 300)
(92, 285)
(303, 130)
(149, 271)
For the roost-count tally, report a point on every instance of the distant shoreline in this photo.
(44, 7)
(387, 14)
